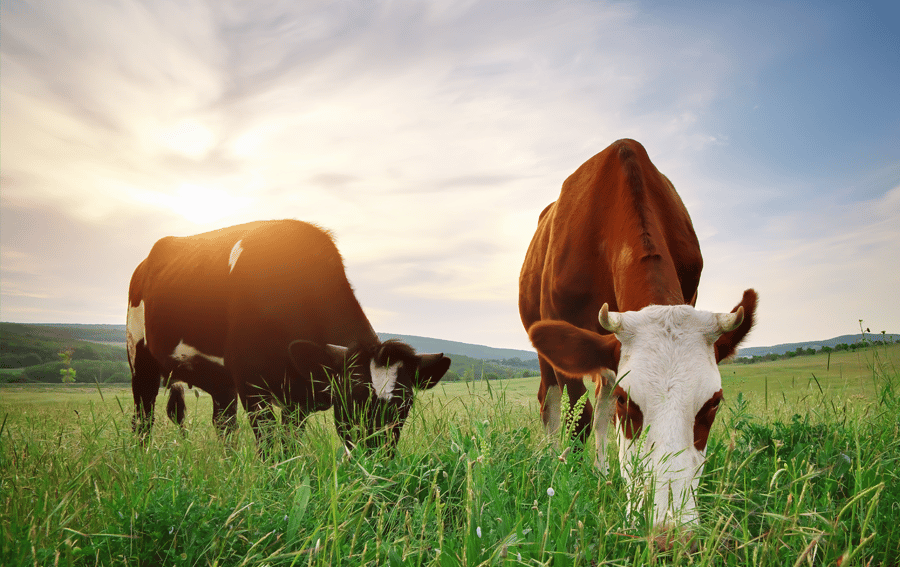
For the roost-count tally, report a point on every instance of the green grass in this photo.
(808, 478)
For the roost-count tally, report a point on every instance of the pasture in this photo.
(800, 471)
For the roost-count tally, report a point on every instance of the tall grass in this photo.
(475, 483)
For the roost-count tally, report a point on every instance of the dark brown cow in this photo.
(619, 238)
(263, 312)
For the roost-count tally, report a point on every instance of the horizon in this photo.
(531, 350)
(428, 137)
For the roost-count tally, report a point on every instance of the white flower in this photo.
(478, 531)
(550, 491)
(518, 556)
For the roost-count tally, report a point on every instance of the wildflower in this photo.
(518, 556)
(478, 531)
(550, 491)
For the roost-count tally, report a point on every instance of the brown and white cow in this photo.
(607, 293)
(263, 312)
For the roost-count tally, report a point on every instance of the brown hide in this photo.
(617, 234)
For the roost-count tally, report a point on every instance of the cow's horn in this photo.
(730, 321)
(611, 321)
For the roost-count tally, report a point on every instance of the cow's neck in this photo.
(652, 280)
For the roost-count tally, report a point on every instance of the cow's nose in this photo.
(669, 538)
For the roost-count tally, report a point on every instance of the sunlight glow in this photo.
(202, 205)
(189, 138)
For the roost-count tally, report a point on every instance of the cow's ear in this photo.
(307, 356)
(430, 370)
(573, 350)
(727, 344)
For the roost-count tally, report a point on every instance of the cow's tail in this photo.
(175, 407)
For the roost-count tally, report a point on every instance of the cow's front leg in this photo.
(145, 380)
(603, 413)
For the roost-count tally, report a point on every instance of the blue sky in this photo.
(429, 136)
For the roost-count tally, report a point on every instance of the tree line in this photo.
(800, 351)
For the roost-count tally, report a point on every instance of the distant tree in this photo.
(450, 376)
(85, 352)
(67, 373)
(31, 359)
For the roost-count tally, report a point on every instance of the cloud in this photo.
(819, 270)
(427, 135)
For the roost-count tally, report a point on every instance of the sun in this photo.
(202, 205)
(189, 138)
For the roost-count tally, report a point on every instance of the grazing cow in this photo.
(263, 311)
(607, 291)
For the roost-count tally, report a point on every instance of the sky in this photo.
(429, 135)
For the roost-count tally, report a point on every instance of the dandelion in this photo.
(550, 491)
(478, 531)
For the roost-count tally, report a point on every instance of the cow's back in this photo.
(297, 289)
(618, 234)
(262, 282)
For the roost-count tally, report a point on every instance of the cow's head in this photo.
(372, 388)
(667, 391)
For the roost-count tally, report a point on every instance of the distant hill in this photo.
(788, 347)
(116, 334)
(425, 344)
(76, 332)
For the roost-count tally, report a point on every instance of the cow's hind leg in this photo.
(175, 407)
(145, 377)
(225, 416)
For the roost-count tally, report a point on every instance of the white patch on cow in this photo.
(235, 254)
(384, 378)
(184, 354)
(668, 367)
(135, 330)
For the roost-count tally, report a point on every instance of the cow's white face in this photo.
(665, 401)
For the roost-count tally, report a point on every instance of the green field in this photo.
(800, 471)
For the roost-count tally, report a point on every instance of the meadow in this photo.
(803, 469)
